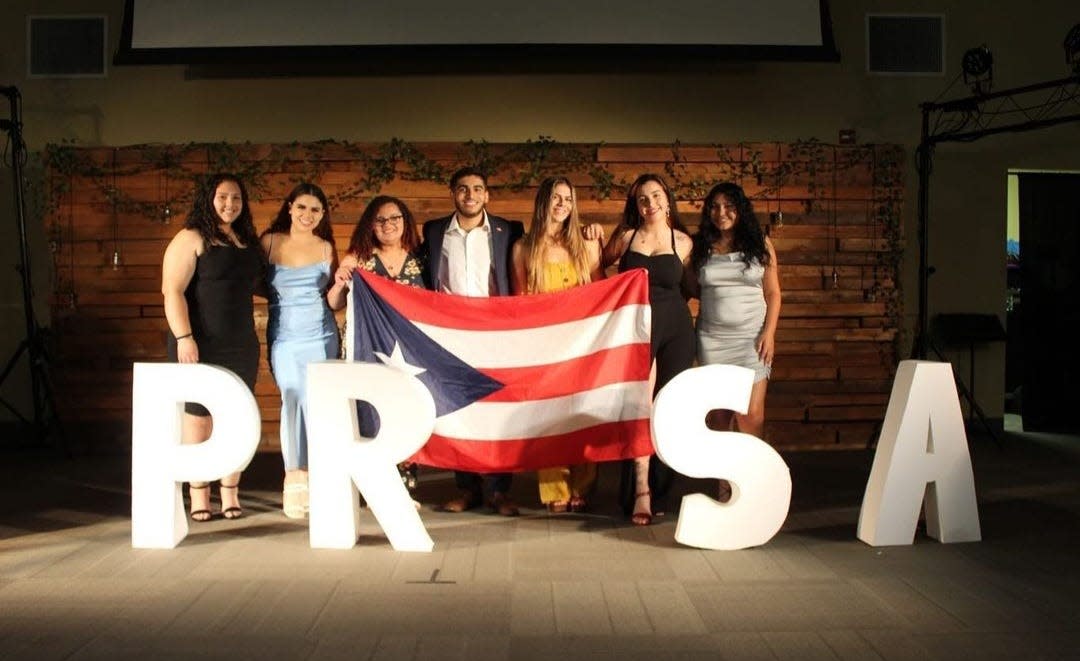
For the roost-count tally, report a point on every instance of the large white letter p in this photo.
(159, 463)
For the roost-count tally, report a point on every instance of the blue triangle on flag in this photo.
(379, 327)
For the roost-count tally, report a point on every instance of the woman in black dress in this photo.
(652, 237)
(209, 274)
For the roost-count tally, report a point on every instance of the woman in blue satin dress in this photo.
(299, 246)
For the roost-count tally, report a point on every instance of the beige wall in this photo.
(751, 102)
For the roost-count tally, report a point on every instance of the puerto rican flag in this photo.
(519, 382)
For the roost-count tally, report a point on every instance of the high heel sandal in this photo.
(293, 496)
(204, 515)
(558, 506)
(641, 518)
(577, 504)
(236, 511)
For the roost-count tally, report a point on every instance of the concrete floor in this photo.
(540, 586)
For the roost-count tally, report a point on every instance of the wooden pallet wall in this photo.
(837, 236)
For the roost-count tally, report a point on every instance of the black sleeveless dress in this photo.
(222, 313)
(673, 347)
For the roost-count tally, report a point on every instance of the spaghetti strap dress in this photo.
(732, 313)
(222, 313)
(300, 330)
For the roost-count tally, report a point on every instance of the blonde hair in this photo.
(533, 243)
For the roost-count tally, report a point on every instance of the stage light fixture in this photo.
(978, 66)
(1072, 49)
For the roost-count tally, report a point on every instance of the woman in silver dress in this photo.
(739, 288)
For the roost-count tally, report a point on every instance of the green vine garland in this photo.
(519, 166)
(516, 167)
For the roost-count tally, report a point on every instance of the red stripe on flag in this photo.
(513, 312)
(626, 363)
(604, 442)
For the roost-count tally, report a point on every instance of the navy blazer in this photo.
(503, 235)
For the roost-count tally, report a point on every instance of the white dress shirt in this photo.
(465, 262)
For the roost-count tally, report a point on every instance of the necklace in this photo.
(392, 265)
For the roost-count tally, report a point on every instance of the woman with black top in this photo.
(209, 274)
(652, 237)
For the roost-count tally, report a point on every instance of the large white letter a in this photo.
(922, 442)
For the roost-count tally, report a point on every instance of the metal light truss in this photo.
(1009, 111)
(1015, 110)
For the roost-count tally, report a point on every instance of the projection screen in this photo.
(186, 31)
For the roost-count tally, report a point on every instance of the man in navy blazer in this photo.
(468, 253)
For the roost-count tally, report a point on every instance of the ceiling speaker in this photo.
(905, 44)
(65, 46)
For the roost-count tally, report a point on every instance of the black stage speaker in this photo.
(65, 46)
(961, 330)
(905, 44)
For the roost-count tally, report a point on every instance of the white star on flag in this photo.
(397, 359)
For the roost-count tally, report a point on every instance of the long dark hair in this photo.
(203, 218)
(363, 242)
(632, 219)
(283, 221)
(748, 237)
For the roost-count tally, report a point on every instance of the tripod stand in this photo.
(959, 330)
(44, 423)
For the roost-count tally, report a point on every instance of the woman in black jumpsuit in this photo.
(652, 237)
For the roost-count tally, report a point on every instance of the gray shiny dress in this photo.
(732, 313)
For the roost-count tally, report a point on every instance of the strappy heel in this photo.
(202, 515)
(642, 518)
(558, 506)
(578, 504)
(234, 512)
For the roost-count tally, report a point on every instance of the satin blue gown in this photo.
(300, 330)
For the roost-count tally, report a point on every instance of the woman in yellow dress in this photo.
(554, 256)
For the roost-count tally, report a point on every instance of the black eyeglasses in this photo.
(389, 220)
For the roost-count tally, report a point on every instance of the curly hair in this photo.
(204, 219)
(282, 222)
(533, 243)
(632, 220)
(363, 242)
(748, 236)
